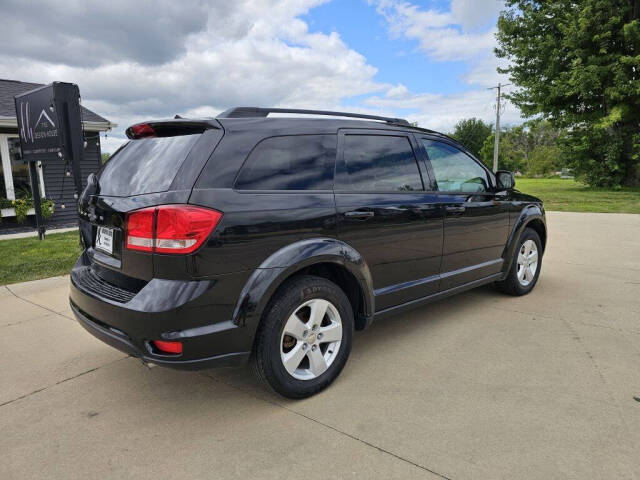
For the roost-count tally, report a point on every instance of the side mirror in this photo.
(506, 180)
(92, 188)
(92, 180)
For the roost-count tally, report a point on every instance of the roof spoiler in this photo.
(253, 112)
(170, 127)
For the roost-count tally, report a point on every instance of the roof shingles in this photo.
(10, 88)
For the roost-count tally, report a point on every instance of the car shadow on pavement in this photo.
(384, 335)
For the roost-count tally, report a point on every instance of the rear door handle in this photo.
(357, 215)
(455, 209)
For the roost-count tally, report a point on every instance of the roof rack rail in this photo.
(251, 112)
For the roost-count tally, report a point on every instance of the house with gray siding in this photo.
(56, 181)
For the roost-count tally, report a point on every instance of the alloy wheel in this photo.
(311, 339)
(527, 262)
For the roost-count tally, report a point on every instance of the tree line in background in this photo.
(533, 148)
(576, 68)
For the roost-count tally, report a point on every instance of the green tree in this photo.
(472, 132)
(543, 153)
(531, 148)
(577, 62)
(511, 154)
(105, 157)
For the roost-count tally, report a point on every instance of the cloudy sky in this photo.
(427, 61)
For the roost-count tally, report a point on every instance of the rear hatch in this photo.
(158, 166)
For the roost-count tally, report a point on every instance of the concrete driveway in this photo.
(477, 386)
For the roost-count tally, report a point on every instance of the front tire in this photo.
(305, 338)
(525, 266)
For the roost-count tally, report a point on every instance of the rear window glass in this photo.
(300, 162)
(147, 165)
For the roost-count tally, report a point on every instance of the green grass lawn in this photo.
(23, 259)
(571, 196)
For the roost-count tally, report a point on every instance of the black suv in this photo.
(218, 241)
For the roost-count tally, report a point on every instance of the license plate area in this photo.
(105, 239)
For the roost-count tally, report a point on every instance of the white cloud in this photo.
(483, 72)
(464, 33)
(398, 91)
(247, 53)
(445, 36)
(139, 60)
(472, 14)
(77, 32)
(441, 112)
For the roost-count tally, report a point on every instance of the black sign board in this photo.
(47, 117)
(50, 128)
(39, 125)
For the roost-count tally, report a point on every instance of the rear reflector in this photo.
(168, 347)
(174, 229)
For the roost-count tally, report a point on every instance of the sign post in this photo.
(35, 189)
(50, 127)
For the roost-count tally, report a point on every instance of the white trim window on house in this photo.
(16, 180)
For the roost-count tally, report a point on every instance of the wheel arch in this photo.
(347, 281)
(325, 257)
(531, 216)
(540, 228)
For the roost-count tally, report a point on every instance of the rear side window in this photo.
(147, 165)
(378, 163)
(296, 162)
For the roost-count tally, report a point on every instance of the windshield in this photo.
(148, 165)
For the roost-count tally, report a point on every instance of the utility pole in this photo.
(497, 136)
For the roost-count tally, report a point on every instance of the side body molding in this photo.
(529, 214)
(280, 265)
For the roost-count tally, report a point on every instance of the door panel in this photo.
(476, 223)
(475, 232)
(401, 242)
(384, 213)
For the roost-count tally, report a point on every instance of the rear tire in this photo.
(305, 337)
(525, 266)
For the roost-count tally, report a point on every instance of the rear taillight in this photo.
(177, 229)
(140, 229)
(183, 228)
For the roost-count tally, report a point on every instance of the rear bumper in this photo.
(123, 343)
(195, 313)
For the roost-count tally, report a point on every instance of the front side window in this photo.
(454, 170)
(378, 163)
(293, 162)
